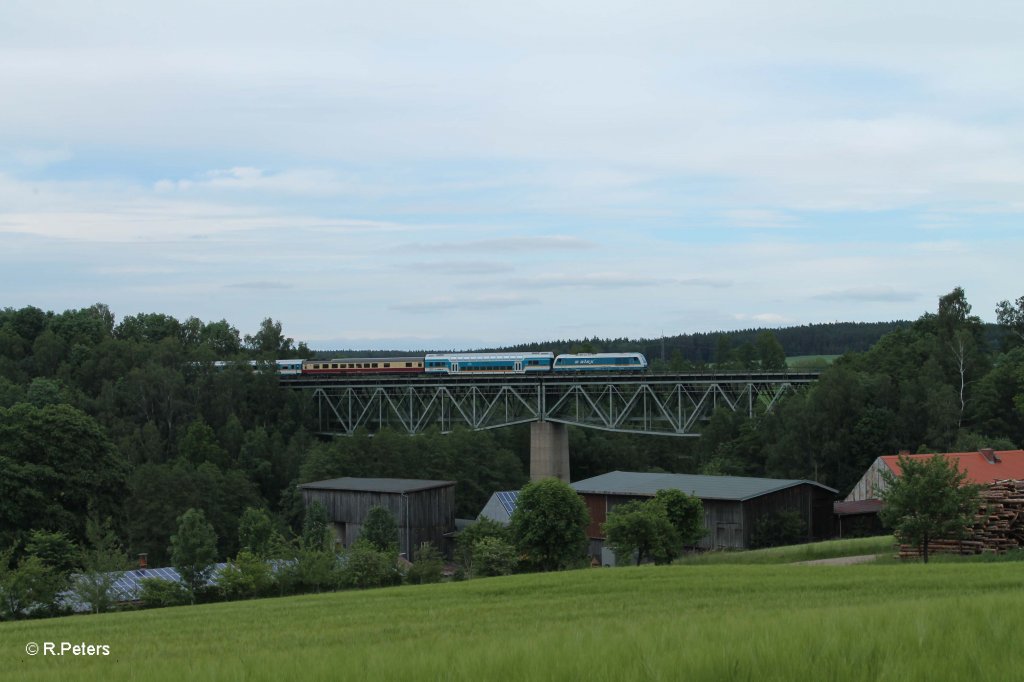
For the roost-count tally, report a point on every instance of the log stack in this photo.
(998, 525)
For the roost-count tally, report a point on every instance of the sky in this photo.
(458, 175)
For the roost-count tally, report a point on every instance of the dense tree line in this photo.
(738, 348)
(942, 384)
(129, 421)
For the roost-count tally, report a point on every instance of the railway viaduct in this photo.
(656, 404)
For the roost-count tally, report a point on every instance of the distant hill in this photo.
(834, 338)
(831, 339)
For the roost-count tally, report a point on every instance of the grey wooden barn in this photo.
(423, 510)
(732, 504)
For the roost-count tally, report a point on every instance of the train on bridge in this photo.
(468, 364)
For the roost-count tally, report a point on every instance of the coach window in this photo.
(374, 365)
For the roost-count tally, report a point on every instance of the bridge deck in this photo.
(659, 404)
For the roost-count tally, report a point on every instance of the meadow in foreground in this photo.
(717, 622)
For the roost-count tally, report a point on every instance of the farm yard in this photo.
(878, 621)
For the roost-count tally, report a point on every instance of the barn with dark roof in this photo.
(732, 504)
(424, 510)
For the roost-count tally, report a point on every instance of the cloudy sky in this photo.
(461, 174)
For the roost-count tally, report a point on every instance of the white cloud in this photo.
(513, 168)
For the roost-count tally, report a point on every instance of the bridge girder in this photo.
(663, 406)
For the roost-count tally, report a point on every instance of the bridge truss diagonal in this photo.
(656, 405)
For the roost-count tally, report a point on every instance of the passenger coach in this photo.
(600, 362)
(488, 363)
(363, 366)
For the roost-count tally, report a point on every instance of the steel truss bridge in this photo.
(664, 405)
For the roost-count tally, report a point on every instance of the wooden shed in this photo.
(732, 504)
(423, 510)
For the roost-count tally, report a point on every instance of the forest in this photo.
(127, 422)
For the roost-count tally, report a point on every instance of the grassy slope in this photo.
(737, 622)
(807, 552)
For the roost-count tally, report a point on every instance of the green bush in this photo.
(365, 567)
(468, 537)
(157, 593)
(784, 527)
(428, 565)
(246, 577)
(494, 556)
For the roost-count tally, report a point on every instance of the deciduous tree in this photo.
(549, 525)
(640, 530)
(929, 500)
(193, 550)
(380, 530)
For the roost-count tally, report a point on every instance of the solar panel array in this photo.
(508, 500)
(127, 585)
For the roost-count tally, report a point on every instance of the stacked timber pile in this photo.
(998, 525)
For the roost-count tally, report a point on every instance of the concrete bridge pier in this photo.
(549, 451)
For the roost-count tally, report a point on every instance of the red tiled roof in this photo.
(977, 466)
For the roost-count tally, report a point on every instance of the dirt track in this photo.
(839, 561)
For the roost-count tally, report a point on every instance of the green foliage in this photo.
(466, 540)
(102, 560)
(56, 464)
(493, 556)
(656, 529)
(270, 340)
(314, 570)
(256, 533)
(194, 550)
(157, 593)
(316, 531)
(427, 567)
(778, 528)
(770, 354)
(1011, 317)
(549, 525)
(366, 567)
(929, 500)
(160, 493)
(685, 513)
(380, 529)
(30, 589)
(56, 550)
(641, 529)
(247, 577)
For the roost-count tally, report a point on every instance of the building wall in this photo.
(812, 503)
(495, 511)
(871, 484)
(422, 516)
(730, 524)
(724, 522)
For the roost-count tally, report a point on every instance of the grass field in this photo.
(807, 552)
(953, 621)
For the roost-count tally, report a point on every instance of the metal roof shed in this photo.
(423, 509)
(732, 504)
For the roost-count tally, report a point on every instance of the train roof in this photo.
(632, 354)
(491, 356)
(389, 359)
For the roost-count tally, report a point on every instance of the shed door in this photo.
(728, 535)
